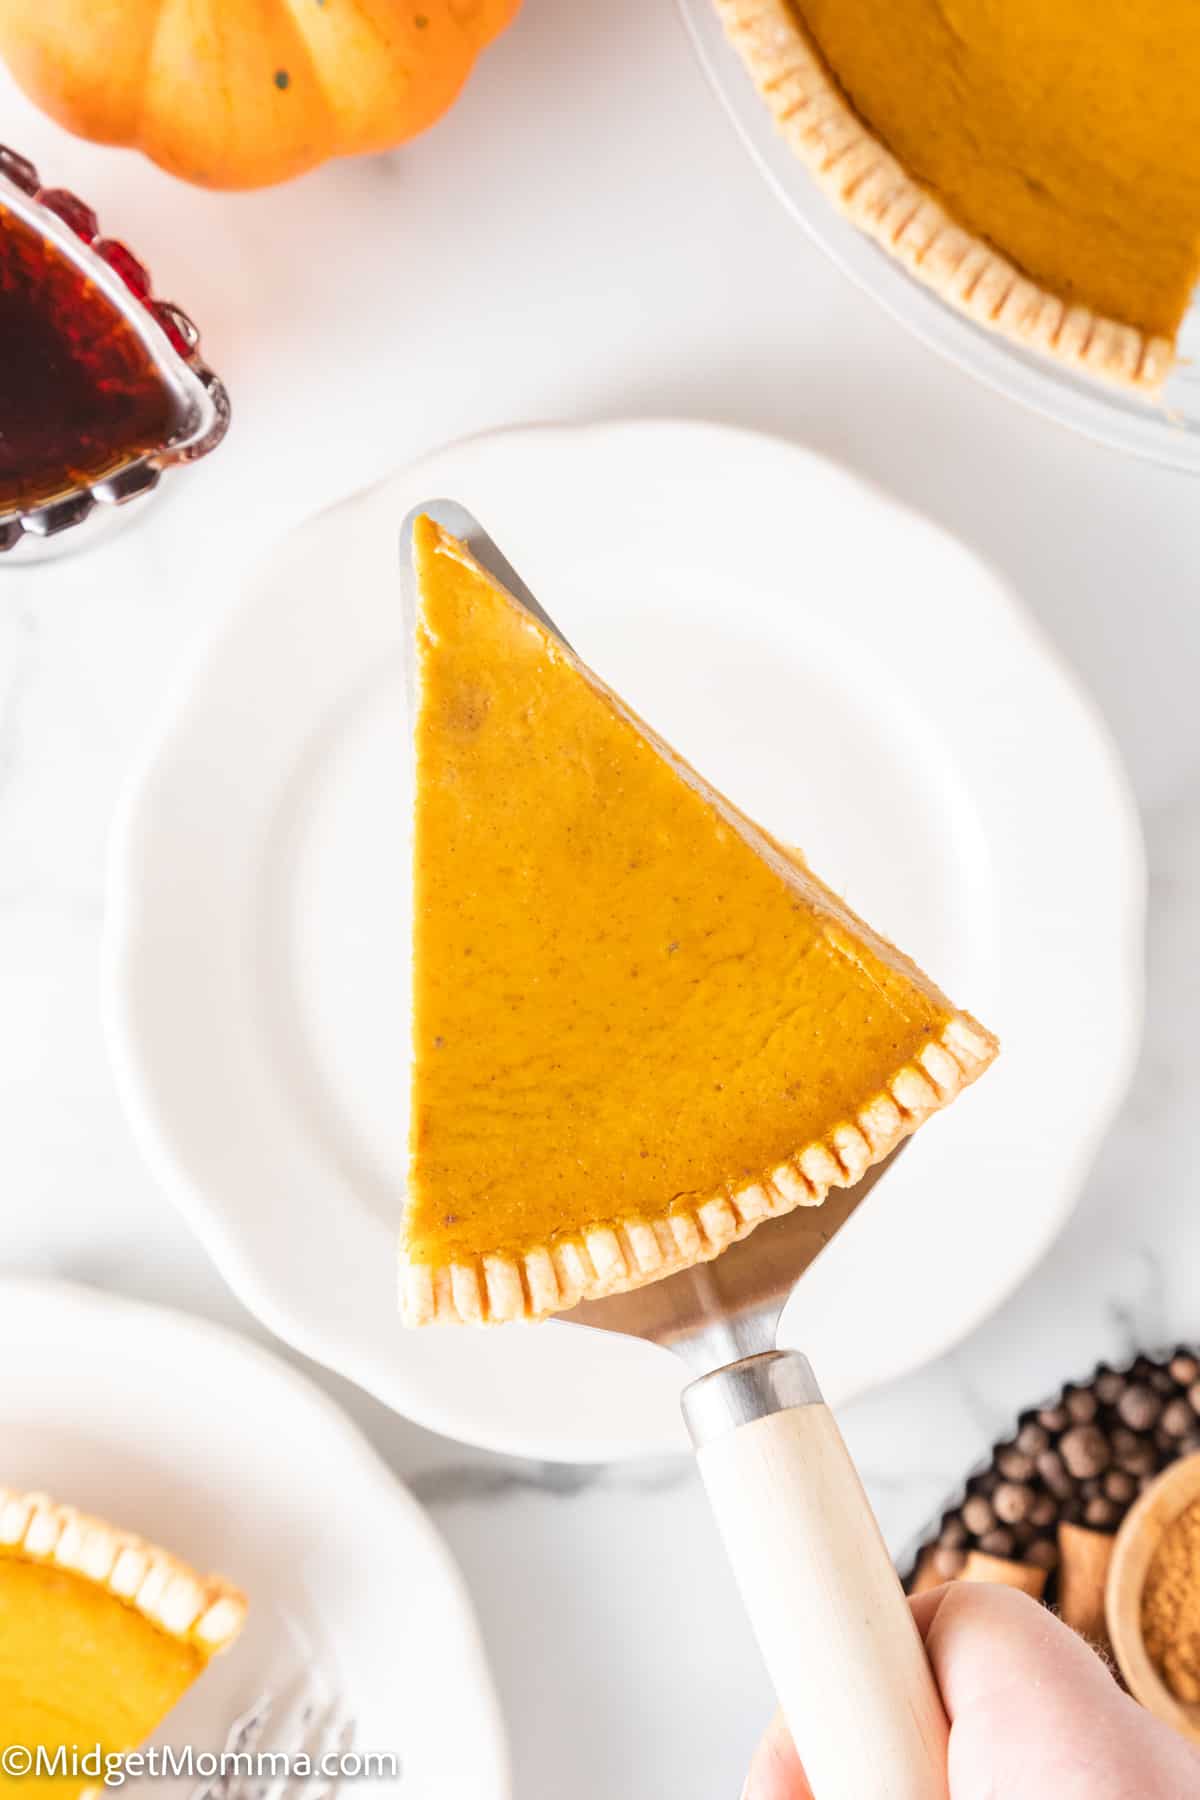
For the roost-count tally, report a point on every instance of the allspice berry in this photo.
(1110, 1386)
(953, 1533)
(1015, 1465)
(1140, 1407)
(1043, 1554)
(1121, 1486)
(949, 1563)
(1043, 1512)
(1085, 1450)
(1081, 1406)
(1184, 1369)
(1032, 1439)
(998, 1542)
(1011, 1501)
(1133, 1452)
(1177, 1419)
(1051, 1468)
(1101, 1515)
(977, 1514)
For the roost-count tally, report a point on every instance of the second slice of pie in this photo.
(101, 1634)
(640, 1026)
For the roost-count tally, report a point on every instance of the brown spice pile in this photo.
(1171, 1606)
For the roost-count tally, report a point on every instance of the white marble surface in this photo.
(583, 237)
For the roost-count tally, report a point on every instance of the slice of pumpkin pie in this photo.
(639, 1027)
(100, 1635)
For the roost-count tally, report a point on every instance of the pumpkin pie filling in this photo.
(100, 1636)
(632, 1011)
(1062, 138)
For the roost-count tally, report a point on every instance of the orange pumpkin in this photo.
(241, 93)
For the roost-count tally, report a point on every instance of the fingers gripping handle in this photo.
(828, 1611)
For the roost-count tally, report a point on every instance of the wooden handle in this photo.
(826, 1605)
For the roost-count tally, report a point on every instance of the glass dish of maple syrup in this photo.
(101, 385)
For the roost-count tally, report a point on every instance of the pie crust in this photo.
(878, 195)
(200, 1610)
(628, 1252)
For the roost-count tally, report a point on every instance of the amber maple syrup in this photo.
(80, 395)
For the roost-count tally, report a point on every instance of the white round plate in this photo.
(1166, 432)
(844, 671)
(205, 1443)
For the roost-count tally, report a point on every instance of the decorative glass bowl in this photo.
(102, 387)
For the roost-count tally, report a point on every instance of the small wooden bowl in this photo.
(1139, 1537)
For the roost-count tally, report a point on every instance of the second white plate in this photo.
(199, 1440)
(844, 671)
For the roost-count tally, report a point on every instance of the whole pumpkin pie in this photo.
(1037, 164)
(640, 1027)
(100, 1635)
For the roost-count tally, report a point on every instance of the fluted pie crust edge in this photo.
(619, 1254)
(878, 195)
(200, 1610)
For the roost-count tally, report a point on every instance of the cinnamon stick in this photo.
(1006, 1573)
(1082, 1578)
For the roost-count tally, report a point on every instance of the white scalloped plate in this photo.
(201, 1441)
(845, 671)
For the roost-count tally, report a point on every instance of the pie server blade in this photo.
(830, 1616)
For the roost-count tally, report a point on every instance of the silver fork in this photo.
(295, 1724)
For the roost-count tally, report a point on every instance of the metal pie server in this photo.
(831, 1619)
(827, 1608)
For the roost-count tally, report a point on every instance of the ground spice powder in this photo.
(1171, 1606)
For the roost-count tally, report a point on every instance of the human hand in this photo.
(1034, 1713)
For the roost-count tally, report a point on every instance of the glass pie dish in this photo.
(1165, 430)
